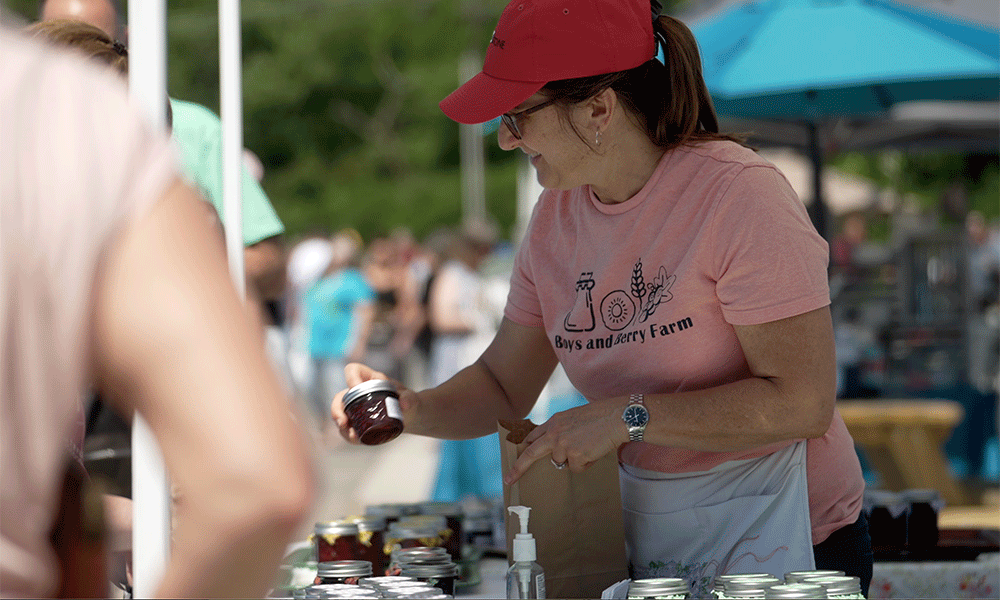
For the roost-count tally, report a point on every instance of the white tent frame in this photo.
(151, 517)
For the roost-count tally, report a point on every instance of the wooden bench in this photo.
(903, 440)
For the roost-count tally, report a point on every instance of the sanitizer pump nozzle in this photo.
(525, 578)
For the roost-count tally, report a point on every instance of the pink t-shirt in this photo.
(77, 166)
(643, 296)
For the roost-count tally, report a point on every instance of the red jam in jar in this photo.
(337, 540)
(372, 407)
(452, 536)
(371, 538)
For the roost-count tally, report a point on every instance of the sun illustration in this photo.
(617, 310)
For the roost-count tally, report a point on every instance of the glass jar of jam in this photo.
(415, 535)
(337, 540)
(372, 407)
(390, 512)
(421, 555)
(922, 530)
(440, 575)
(452, 513)
(343, 571)
(886, 521)
(371, 542)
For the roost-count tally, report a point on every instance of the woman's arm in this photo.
(503, 383)
(173, 341)
(791, 395)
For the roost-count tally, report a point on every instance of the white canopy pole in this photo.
(231, 82)
(150, 485)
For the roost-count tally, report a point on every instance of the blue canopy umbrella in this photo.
(813, 60)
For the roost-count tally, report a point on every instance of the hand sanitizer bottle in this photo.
(525, 578)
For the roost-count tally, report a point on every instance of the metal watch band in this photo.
(635, 434)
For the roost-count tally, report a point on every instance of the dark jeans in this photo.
(849, 549)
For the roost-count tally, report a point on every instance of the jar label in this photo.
(392, 408)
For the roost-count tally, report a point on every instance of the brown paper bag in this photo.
(576, 519)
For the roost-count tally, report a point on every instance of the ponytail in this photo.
(669, 99)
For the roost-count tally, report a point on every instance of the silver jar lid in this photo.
(447, 509)
(752, 583)
(922, 495)
(384, 580)
(412, 533)
(658, 585)
(421, 555)
(344, 568)
(798, 576)
(336, 528)
(435, 521)
(840, 586)
(367, 387)
(722, 580)
(795, 590)
(424, 591)
(421, 570)
(368, 522)
(385, 511)
(330, 590)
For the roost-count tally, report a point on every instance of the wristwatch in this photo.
(635, 416)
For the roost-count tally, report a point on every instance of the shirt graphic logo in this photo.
(581, 318)
(619, 309)
(656, 292)
(627, 315)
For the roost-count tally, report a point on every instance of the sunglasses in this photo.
(510, 119)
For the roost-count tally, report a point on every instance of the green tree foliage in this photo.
(933, 179)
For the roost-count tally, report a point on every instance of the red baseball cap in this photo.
(538, 41)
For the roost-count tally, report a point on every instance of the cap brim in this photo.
(484, 98)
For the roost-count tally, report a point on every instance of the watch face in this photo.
(635, 416)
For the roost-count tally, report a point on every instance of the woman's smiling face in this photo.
(553, 148)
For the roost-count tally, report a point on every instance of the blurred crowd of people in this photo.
(419, 310)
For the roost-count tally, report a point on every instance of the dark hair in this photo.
(85, 38)
(670, 100)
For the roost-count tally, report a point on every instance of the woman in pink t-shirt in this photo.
(678, 280)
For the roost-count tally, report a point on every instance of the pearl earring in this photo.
(597, 139)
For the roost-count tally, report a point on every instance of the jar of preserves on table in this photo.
(336, 540)
(371, 542)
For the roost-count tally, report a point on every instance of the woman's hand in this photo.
(356, 373)
(577, 437)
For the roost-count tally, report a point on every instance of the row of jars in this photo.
(386, 527)
(371, 587)
(755, 586)
(903, 520)
(796, 584)
(429, 566)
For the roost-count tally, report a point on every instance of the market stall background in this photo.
(341, 106)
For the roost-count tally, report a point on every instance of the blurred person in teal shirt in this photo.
(339, 310)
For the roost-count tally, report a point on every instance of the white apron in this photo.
(747, 516)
